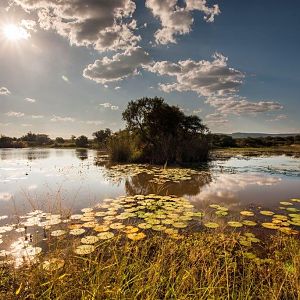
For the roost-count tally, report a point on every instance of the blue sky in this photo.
(71, 68)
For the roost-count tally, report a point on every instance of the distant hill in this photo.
(239, 135)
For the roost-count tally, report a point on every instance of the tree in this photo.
(81, 141)
(101, 137)
(59, 140)
(166, 134)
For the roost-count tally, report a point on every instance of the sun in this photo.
(13, 32)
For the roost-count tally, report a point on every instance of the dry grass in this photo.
(200, 266)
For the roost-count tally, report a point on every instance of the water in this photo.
(65, 181)
(73, 179)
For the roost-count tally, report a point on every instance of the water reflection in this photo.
(141, 185)
(82, 154)
(228, 188)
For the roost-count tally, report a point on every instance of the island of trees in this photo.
(155, 132)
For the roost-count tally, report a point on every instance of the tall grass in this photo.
(200, 266)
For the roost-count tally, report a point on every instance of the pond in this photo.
(37, 185)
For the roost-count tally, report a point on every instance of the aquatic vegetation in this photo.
(267, 213)
(77, 231)
(84, 249)
(247, 213)
(90, 239)
(53, 264)
(58, 232)
(234, 224)
(211, 225)
(136, 236)
(105, 235)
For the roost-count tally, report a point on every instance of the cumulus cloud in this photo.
(109, 106)
(215, 81)
(103, 25)
(15, 114)
(61, 119)
(30, 100)
(203, 77)
(237, 105)
(177, 19)
(118, 67)
(4, 91)
(26, 125)
(37, 116)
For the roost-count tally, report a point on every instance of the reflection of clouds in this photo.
(5, 196)
(226, 186)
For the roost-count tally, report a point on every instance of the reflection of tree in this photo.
(33, 154)
(140, 185)
(29, 154)
(82, 154)
(101, 159)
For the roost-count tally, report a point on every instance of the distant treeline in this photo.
(155, 133)
(225, 141)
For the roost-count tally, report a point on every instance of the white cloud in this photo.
(65, 78)
(29, 25)
(37, 116)
(203, 77)
(118, 67)
(15, 114)
(216, 119)
(197, 111)
(278, 118)
(117, 87)
(4, 91)
(26, 125)
(176, 19)
(30, 100)
(109, 106)
(102, 24)
(94, 122)
(215, 81)
(61, 119)
(237, 105)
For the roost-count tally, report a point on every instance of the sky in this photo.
(70, 67)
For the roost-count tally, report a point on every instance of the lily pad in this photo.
(267, 213)
(105, 235)
(84, 249)
(89, 239)
(247, 213)
(136, 236)
(211, 225)
(235, 224)
(53, 264)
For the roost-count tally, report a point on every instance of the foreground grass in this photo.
(201, 266)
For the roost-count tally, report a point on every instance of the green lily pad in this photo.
(211, 225)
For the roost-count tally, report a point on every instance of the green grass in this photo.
(200, 266)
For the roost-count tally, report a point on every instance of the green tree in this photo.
(81, 141)
(166, 133)
(101, 137)
(59, 140)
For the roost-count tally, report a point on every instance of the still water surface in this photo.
(73, 179)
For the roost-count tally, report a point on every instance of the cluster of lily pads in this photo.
(159, 175)
(135, 218)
